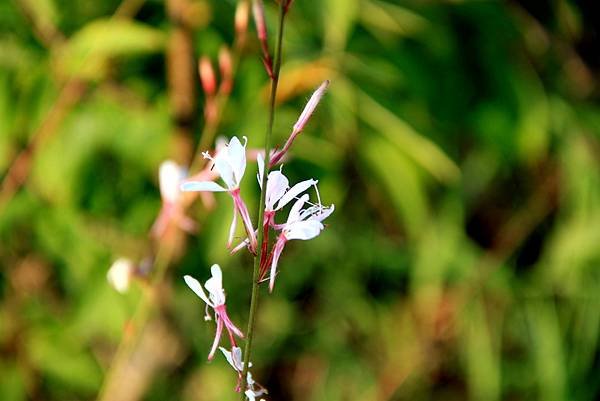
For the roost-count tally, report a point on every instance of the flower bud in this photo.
(226, 70)
(258, 11)
(241, 18)
(120, 273)
(310, 107)
(207, 76)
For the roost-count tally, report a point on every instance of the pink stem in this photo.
(245, 215)
(217, 336)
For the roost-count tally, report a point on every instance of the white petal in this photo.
(317, 212)
(249, 379)
(295, 210)
(237, 158)
(295, 191)
(237, 358)
(261, 168)
(324, 213)
(228, 357)
(224, 168)
(303, 230)
(214, 285)
(277, 250)
(119, 274)
(197, 288)
(217, 275)
(277, 184)
(202, 186)
(169, 177)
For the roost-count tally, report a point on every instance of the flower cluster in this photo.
(304, 221)
(224, 172)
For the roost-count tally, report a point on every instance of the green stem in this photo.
(261, 210)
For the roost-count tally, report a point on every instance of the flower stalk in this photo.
(261, 208)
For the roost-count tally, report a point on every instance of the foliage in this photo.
(458, 140)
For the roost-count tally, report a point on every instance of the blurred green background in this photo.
(459, 141)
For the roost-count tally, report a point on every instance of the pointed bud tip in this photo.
(207, 76)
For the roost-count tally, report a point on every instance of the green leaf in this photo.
(57, 355)
(406, 139)
(339, 17)
(401, 180)
(391, 18)
(88, 52)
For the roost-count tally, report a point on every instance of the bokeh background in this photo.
(459, 141)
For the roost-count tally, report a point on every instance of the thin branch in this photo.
(257, 258)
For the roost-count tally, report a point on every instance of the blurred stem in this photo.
(261, 207)
(180, 77)
(209, 131)
(136, 324)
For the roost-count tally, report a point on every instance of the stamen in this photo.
(318, 195)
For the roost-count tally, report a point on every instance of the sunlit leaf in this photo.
(88, 52)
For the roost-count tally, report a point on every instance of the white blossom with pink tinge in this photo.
(278, 188)
(230, 163)
(216, 301)
(170, 176)
(302, 224)
(279, 194)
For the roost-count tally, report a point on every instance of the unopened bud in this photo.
(207, 76)
(120, 273)
(241, 17)
(258, 11)
(226, 69)
(301, 123)
(310, 107)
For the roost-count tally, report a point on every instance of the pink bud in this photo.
(310, 107)
(301, 123)
(225, 67)
(207, 76)
(258, 11)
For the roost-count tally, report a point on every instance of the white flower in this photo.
(278, 187)
(230, 163)
(170, 176)
(301, 224)
(214, 286)
(216, 301)
(119, 274)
